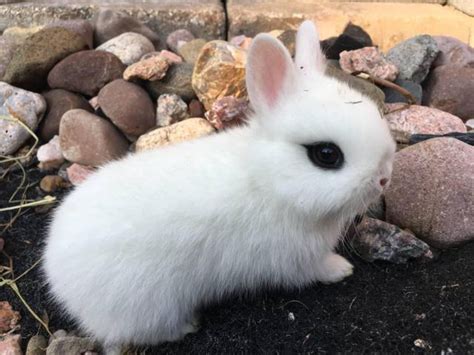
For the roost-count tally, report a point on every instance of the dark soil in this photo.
(382, 308)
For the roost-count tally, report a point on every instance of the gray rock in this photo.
(414, 57)
(392, 96)
(171, 109)
(378, 240)
(81, 27)
(71, 345)
(20, 104)
(129, 47)
(36, 345)
(190, 50)
(177, 81)
(7, 49)
(177, 38)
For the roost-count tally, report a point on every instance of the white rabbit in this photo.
(146, 241)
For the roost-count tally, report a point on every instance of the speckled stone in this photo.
(432, 191)
(129, 47)
(368, 60)
(420, 120)
(153, 68)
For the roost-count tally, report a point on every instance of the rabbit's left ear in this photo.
(308, 56)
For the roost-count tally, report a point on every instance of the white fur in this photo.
(135, 250)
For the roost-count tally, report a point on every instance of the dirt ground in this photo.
(381, 308)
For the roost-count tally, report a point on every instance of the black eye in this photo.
(325, 155)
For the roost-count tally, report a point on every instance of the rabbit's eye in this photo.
(325, 155)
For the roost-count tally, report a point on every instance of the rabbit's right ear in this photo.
(270, 73)
(308, 56)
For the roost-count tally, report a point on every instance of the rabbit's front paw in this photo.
(334, 268)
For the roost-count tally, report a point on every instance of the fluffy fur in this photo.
(135, 250)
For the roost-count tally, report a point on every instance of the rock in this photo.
(227, 112)
(414, 57)
(368, 60)
(353, 37)
(177, 81)
(7, 50)
(77, 173)
(169, 56)
(39, 53)
(86, 72)
(219, 71)
(190, 50)
(196, 109)
(431, 192)
(81, 27)
(20, 34)
(59, 101)
(287, 37)
(392, 96)
(22, 105)
(10, 345)
(51, 152)
(420, 120)
(128, 106)
(129, 47)
(470, 124)
(241, 41)
(453, 52)
(51, 183)
(71, 345)
(450, 88)
(153, 68)
(378, 240)
(94, 102)
(110, 24)
(171, 109)
(364, 86)
(60, 333)
(36, 345)
(89, 139)
(177, 38)
(9, 319)
(186, 130)
(467, 138)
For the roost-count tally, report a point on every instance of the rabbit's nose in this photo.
(383, 182)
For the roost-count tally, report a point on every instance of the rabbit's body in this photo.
(136, 249)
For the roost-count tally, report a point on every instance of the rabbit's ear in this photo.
(308, 56)
(270, 74)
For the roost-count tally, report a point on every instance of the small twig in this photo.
(45, 201)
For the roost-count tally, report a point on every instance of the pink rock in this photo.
(227, 112)
(50, 151)
(178, 37)
(94, 102)
(369, 60)
(10, 345)
(9, 318)
(241, 41)
(432, 191)
(196, 108)
(420, 120)
(77, 173)
(470, 124)
(172, 57)
(153, 68)
(453, 52)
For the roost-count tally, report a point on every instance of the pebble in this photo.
(129, 47)
(431, 192)
(177, 38)
(19, 34)
(22, 105)
(128, 106)
(378, 240)
(153, 68)
(470, 124)
(227, 112)
(10, 345)
(420, 120)
(9, 319)
(165, 54)
(450, 88)
(89, 139)
(392, 96)
(86, 72)
(177, 81)
(109, 24)
(241, 41)
(368, 60)
(353, 37)
(170, 109)
(196, 109)
(453, 52)
(51, 152)
(414, 57)
(186, 130)
(78, 173)
(71, 345)
(52, 183)
(223, 65)
(38, 54)
(81, 27)
(7, 50)
(36, 345)
(59, 101)
(190, 50)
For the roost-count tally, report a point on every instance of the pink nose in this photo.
(383, 182)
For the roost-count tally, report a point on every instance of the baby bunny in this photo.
(148, 240)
